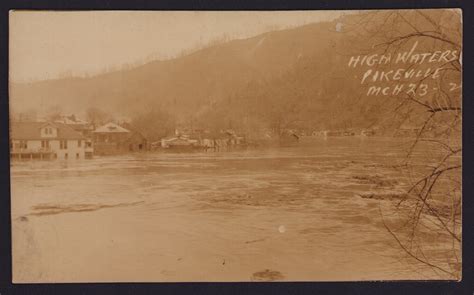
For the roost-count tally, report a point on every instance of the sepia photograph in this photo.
(235, 146)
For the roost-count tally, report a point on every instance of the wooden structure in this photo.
(45, 140)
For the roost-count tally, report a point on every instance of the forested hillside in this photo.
(296, 78)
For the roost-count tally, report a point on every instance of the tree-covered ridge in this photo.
(290, 79)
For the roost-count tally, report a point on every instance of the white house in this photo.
(82, 127)
(45, 140)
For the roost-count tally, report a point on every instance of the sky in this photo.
(48, 44)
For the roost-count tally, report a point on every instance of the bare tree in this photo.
(54, 113)
(97, 117)
(154, 123)
(426, 222)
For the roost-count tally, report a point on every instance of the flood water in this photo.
(279, 213)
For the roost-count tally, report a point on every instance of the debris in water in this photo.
(376, 180)
(254, 241)
(381, 196)
(47, 209)
(282, 229)
(267, 275)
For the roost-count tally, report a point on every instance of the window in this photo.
(48, 131)
(45, 144)
(79, 143)
(65, 156)
(23, 144)
(77, 155)
(63, 144)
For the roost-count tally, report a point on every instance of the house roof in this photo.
(111, 128)
(75, 123)
(71, 119)
(32, 130)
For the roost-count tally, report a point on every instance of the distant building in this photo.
(135, 142)
(112, 138)
(367, 132)
(323, 133)
(45, 140)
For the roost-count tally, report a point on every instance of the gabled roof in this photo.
(111, 128)
(32, 131)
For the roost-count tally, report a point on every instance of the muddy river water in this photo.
(279, 213)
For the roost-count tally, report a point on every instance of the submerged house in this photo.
(135, 142)
(217, 140)
(289, 136)
(227, 138)
(45, 140)
(179, 141)
(83, 127)
(203, 140)
(326, 133)
(112, 138)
